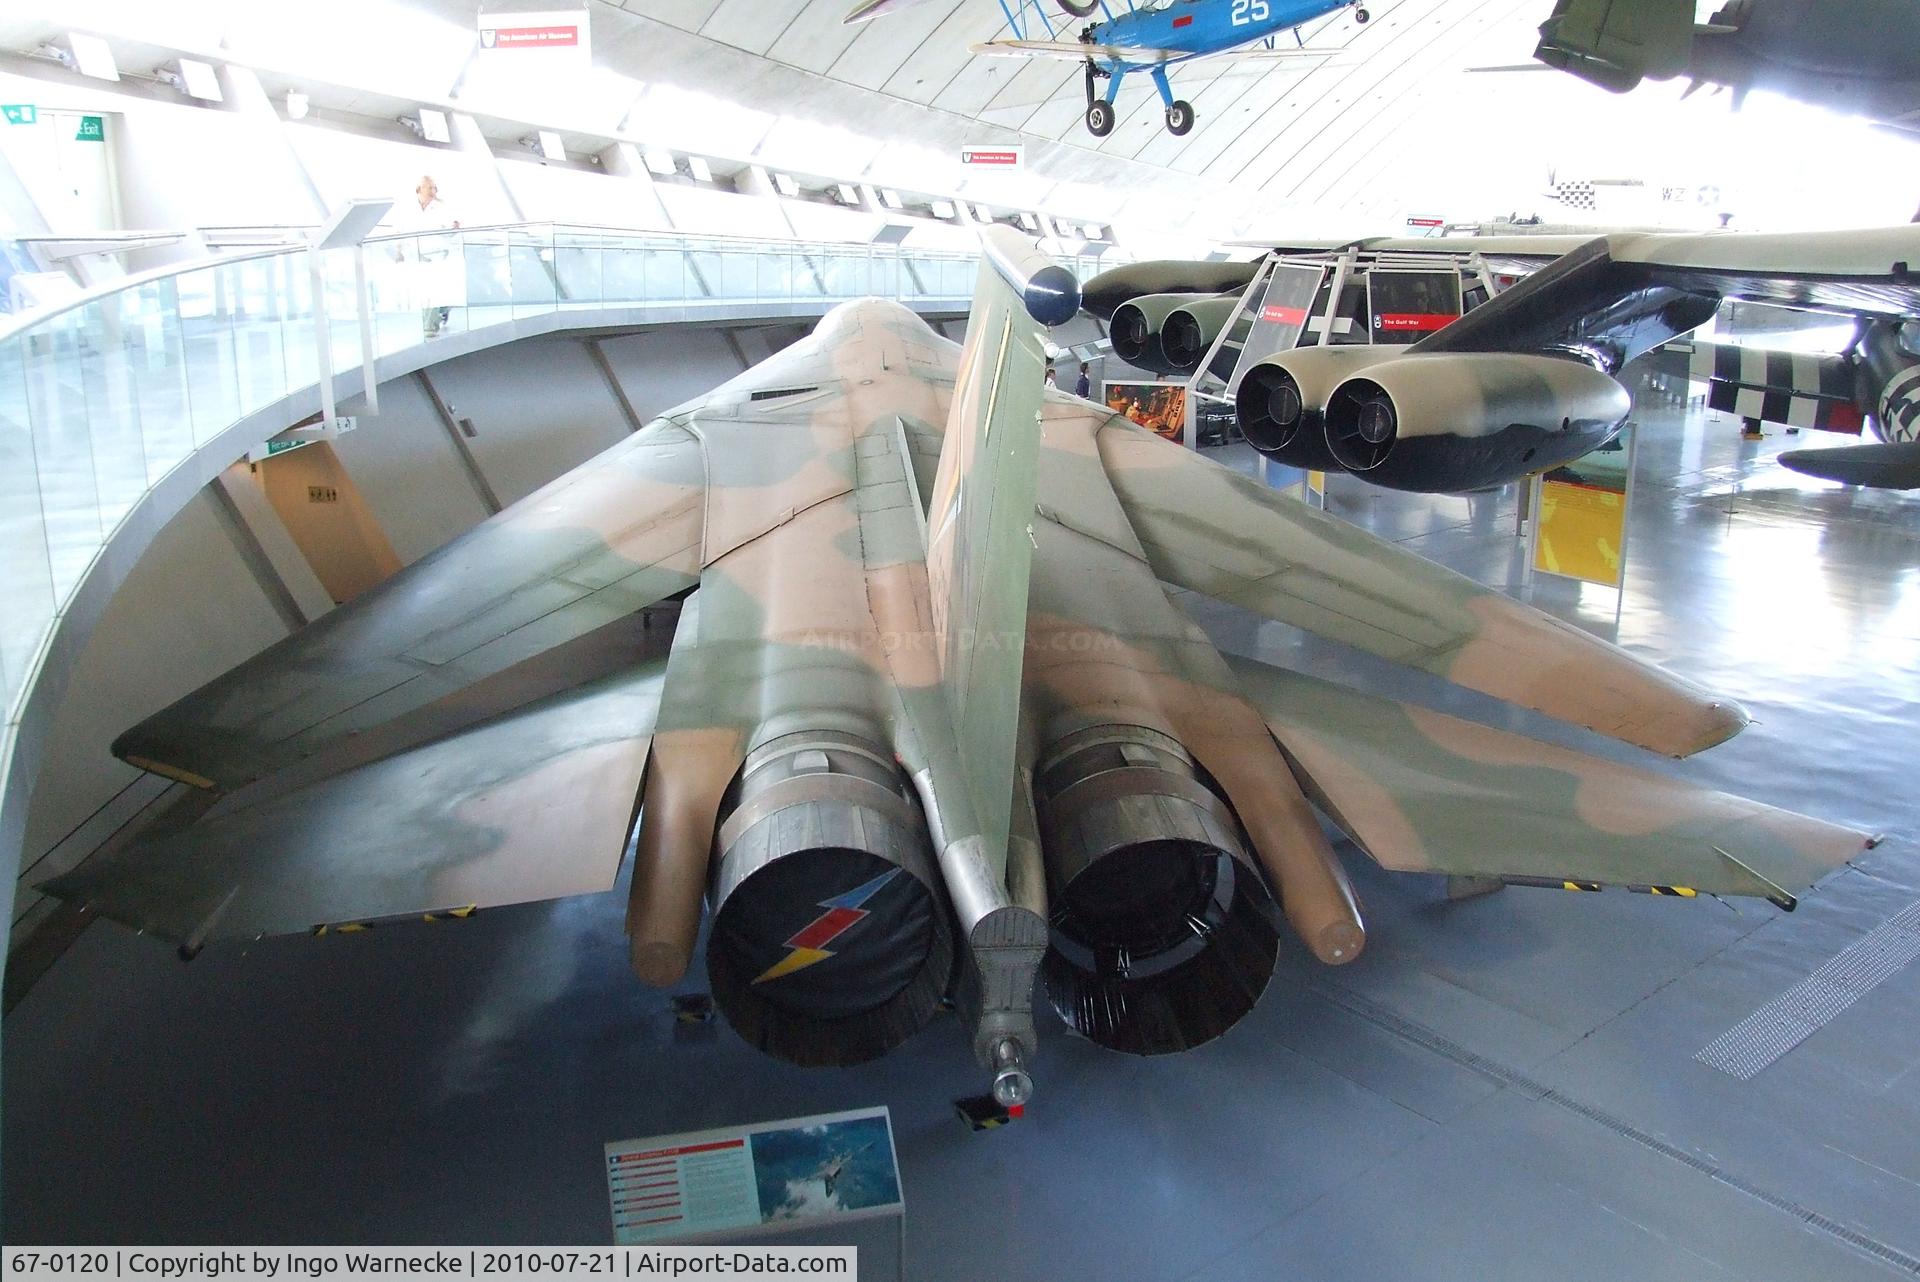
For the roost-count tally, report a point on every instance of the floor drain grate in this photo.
(1806, 1007)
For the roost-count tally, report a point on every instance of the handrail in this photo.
(92, 293)
(120, 393)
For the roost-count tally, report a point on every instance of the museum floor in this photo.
(1498, 1088)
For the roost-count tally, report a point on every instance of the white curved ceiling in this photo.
(1393, 123)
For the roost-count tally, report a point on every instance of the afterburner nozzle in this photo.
(832, 939)
(1164, 934)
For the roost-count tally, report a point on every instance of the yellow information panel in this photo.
(1580, 518)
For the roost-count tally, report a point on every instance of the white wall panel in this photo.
(538, 408)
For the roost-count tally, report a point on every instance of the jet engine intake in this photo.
(1449, 421)
(1136, 330)
(1189, 330)
(1163, 934)
(831, 940)
(1281, 401)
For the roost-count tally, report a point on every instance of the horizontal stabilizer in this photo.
(1421, 791)
(533, 805)
(1887, 465)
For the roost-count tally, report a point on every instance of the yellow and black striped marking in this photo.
(984, 1112)
(1680, 892)
(1552, 883)
(356, 927)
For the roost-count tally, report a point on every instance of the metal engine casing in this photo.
(1163, 931)
(831, 938)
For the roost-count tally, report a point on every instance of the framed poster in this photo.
(1160, 407)
(1405, 306)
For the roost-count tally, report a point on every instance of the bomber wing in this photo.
(1421, 791)
(1225, 535)
(1619, 296)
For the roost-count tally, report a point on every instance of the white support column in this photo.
(269, 153)
(624, 161)
(468, 138)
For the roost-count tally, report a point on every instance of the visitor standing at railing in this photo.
(436, 274)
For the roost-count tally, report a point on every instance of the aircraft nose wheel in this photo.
(1099, 118)
(1180, 117)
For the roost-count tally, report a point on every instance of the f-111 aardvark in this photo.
(930, 723)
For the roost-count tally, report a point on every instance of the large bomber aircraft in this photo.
(1525, 380)
(929, 723)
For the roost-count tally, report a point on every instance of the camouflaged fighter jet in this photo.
(1525, 380)
(929, 723)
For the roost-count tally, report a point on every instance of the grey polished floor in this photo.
(1501, 1088)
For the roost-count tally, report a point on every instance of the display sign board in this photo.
(1161, 408)
(1406, 306)
(1000, 156)
(92, 129)
(1282, 316)
(563, 32)
(1580, 515)
(20, 113)
(738, 1182)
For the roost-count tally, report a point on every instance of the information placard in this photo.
(1405, 306)
(738, 1182)
(1580, 515)
(1282, 317)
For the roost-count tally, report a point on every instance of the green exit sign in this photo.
(92, 129)
(20, 113)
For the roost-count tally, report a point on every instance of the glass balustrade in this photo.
(100, 399)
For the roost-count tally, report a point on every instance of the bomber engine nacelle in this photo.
(1448, 421)
(1163, 932)
(831, 940)
(1102, 295)
(1282, 401)
(1191, 328)
(1138, 329)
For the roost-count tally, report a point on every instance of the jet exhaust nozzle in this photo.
(831, 940)
(1163, 934)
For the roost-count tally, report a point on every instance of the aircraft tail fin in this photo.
(980, 544)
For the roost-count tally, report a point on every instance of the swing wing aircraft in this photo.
(1149, 37)
(930, 728)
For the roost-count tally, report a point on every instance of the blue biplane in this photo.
(1150, 36)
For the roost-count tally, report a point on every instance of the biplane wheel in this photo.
(1361, 14)
(1078, 10)
(1179, 117)
(1100, 118)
